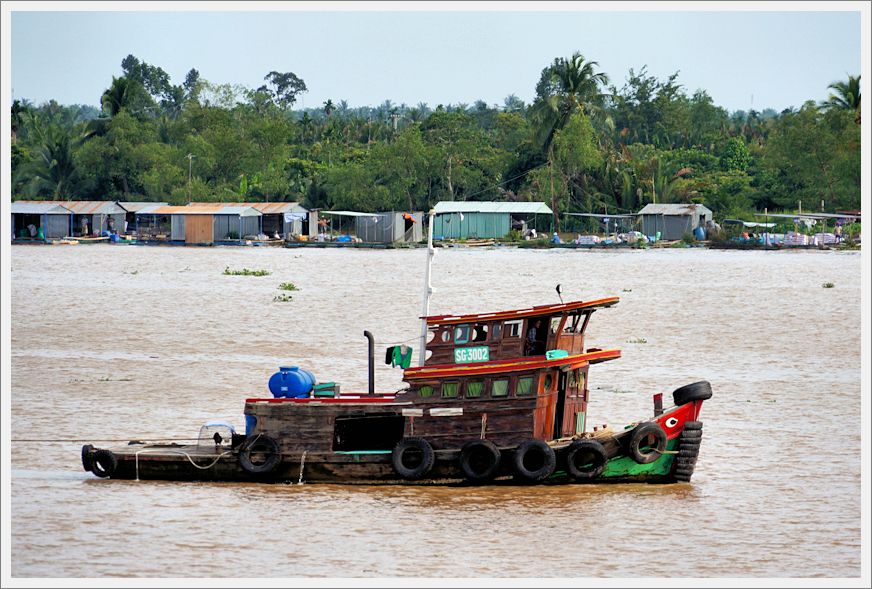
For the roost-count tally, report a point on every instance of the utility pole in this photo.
(190, 157)
(394, 117)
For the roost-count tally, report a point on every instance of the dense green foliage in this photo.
(581, 146)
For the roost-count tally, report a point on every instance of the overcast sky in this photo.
(744, 59)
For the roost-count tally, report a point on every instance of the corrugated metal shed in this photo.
(674, 209)
(518, 208)
(214, 209)
(135, 207)
(266, 208)
(25, 207)
(88, 207)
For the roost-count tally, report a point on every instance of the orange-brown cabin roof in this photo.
(521, 313)
(593, 356)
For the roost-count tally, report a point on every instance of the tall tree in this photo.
(565, 87)
(846, 96)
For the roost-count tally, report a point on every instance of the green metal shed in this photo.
(483, 220)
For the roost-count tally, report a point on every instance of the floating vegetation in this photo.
(110, 379)
(828, 285)
(288, 286)
(639, 340)
(626, 290)
(282, 298)
(245, 272)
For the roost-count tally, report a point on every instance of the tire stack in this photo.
(688, 450)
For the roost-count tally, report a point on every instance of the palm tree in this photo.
(329, 107)
(566, 86)
(118, 96)
(846, 96)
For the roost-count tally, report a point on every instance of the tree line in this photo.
(583, 145)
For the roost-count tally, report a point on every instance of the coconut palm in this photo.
(566, 86)
(846, 96)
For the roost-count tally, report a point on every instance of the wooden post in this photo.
(658, 404)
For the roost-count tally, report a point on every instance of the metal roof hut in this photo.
(284, 218)
(673, 221)
(202, 224)
(92, 217)
(482, 219)
(132, 208)
(55, 220)
(389, 227)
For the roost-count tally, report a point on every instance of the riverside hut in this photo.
(673, 221)
(132, 208)
(284, 218)
(91, 217)
(478, 220)
(390, 227)
(51, 219)
(202, 224)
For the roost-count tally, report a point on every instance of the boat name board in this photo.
(474, 354)
(413, 412)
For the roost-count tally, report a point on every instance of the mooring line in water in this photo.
(93, 440)
(185, 454)
(302, 463)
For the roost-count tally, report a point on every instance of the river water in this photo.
(114, 342)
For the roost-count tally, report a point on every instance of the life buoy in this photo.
(534, 461)
(88, 457)
(412, 458)
(479, 460)
(104, 463)
(696, 391)
(646, 442)
(586, 459)
(259, 455)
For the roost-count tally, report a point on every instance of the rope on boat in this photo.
(302, 463)
(106, 440)
(185, 454)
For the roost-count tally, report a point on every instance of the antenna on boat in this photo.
(428, 288)
(558, 294)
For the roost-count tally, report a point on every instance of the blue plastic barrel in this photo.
(290, 382)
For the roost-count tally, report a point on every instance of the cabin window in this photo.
(513, 328)
(496, 328)
(572, 379)
(461, 334)
(431, 335)
(474, 389)
(500, 388)
(479, 333)
(572, 324)
(524, 387)
(555, 324)
(548, 381)
(446, 335)
(449, 389)
(426, 391)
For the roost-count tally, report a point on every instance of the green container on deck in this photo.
(326, 389)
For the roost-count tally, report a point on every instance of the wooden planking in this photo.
(198, 229)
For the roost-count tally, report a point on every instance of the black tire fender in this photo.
(412, 458)
(585, 459)
(534, 461)
(646, 442)
(104, 463)
(88, 457)
(260, 455)
(480, 460)
(696, 391)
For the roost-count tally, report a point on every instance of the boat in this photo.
(490, 401)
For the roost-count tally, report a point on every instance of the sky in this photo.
(437, 53)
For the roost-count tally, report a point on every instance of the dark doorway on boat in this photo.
(560, 407)
(368, 432)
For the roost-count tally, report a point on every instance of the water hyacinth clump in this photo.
(245, 272)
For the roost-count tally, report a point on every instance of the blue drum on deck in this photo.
(290, 382)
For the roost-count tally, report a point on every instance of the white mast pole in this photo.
(428, 288)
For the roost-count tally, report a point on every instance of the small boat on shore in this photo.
(496, 398)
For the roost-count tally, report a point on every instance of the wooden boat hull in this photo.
(138, 461)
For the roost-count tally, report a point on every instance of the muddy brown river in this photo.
(112, 343)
